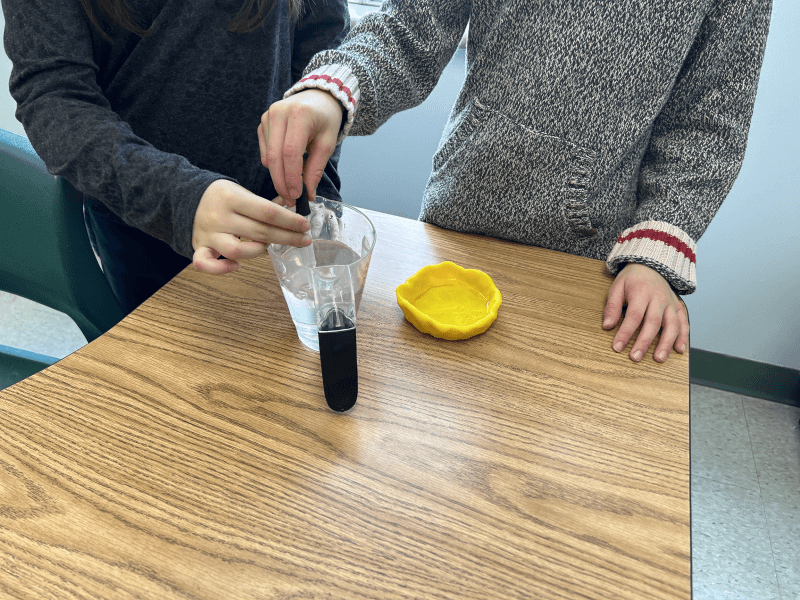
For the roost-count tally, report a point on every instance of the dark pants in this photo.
(135, 264)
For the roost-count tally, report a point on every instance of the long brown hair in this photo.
(119, 13)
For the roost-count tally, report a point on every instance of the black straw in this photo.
(303, 208)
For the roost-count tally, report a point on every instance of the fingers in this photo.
(682, 341)
(265, 234)
(279, 201)
(231, 247)
(669, 333)
(320, 150)
(650, 327)
(298, 133)
(262, 142)
(653, 306)
(616, 298)
(274, 223)
(258, 236)
(307, 121)
(671, 321)
(284, 134)
(228, 212)
(273, 130)
(637, 307)
(247, 204)
(205, 261)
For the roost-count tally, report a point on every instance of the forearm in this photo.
(156, 192)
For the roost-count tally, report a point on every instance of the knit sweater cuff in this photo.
(339, 81)
(660, 246)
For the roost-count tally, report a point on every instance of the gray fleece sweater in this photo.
(612, 130)
(145, 125)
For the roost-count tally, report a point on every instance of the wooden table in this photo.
(189, 452)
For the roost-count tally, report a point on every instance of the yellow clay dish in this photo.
(449, 302)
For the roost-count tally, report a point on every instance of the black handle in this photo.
(302, 204)
(338, 359)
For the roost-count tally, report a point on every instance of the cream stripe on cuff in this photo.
(661, 246)
(340, 81)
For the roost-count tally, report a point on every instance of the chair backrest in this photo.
(45, 253)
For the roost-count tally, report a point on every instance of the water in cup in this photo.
(342, 236)
(295, 281)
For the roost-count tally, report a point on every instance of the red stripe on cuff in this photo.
(660, 236)
(335, 82)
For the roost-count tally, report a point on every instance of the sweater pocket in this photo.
(468, 121)
(496, 177)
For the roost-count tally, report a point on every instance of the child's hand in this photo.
(226, 212)
(307, 121)
(649, 297)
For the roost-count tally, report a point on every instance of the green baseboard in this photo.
(743, 376)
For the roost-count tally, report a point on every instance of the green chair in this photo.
(45, 254)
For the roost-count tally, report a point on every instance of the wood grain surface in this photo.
(189, 452)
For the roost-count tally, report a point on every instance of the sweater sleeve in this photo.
(390, 61)
(697, 143)
(71, 125)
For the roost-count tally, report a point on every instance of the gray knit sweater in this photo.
(612, 130)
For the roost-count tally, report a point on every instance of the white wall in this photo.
(748, 299)
(747, 302)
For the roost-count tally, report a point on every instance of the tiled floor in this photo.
(36, 328)
(745, 473)
(745, 497)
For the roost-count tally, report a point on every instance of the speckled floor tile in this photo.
(777, 461)
(720, 442)
(36, 328)
(726, 404)
(771, 421)
(731, 551)
(783, 523)
(775, 439)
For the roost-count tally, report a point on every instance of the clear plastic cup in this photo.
(342, 236)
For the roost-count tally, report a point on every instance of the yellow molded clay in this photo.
(449, 302)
